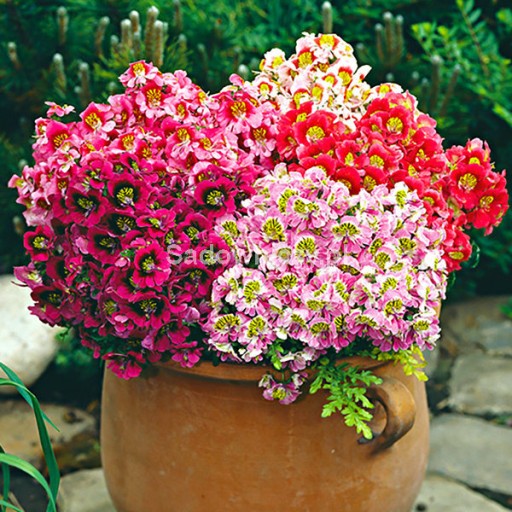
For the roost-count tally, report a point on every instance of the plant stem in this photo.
(481, 56)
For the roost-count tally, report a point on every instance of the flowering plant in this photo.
(289, 222)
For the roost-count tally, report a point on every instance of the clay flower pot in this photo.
(204, 440)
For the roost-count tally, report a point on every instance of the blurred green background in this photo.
(453, 54)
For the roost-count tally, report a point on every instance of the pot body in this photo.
(205, 440)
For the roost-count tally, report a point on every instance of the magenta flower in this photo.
(218, 197)
(152, 266)
(39, 243)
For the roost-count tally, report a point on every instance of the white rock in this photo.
(85, 491)
(27, 346)
(440, 494)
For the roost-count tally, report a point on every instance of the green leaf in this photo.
(503, 112)
(29, 469)
(22, 390)
(6, 477)
(505, 17)
(474, 15)
(411, 359)
(49, 455)
(315, 385)
(347, 387)
(9, 506)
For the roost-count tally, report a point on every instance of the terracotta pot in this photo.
(205, 440)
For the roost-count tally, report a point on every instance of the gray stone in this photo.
(481, 385)
(432, 359)
(440, 494)
(477, 324)
(472, 451)
(27, 345)
(497, 338)
(85, 491)
(18, 430)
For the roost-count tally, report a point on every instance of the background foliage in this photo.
(453, 54)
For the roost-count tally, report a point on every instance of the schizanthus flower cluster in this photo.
(365, 137)
(319, 268)
(357, 215)
(123, 203)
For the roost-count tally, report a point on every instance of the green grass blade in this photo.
(6, 477)
(22, 390)
(49, 455)
(29, 469)
(9, 506)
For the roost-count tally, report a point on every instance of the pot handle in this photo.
(400, 408)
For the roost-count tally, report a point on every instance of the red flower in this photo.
(187, 354)
(49, 304)
(466, 183)
(349, 177)
(373, 176)
(457, 247)
(317, 126)
(492, 206)
(171, 334)
(390, 117)
(148, 310)
(195, 227)
(325, 162)
(157, 223)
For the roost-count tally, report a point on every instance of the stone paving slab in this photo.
(440, 494)
(472, 451)
(481, 385)
(85, 491)
(477, 324)
(18, 428)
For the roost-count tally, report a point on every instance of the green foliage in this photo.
(467, 39)
(74, 358)
(347, 386)
(8, 460)
(411, 359)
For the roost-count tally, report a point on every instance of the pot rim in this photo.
(247, 372)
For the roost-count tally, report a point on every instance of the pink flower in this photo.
(57, 110)
(139, 73)
(285, 392)
(98, 118)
